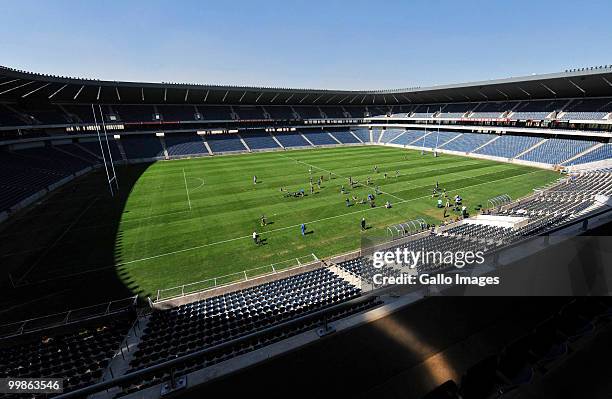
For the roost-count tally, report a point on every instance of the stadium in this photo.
(183, 240)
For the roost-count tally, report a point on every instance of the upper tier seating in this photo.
(555, 151)
(318, 138)
(252, 112)
(455, 110)
(279, 112)
(215, 113)
(491, 110)
(344, 136)
(308, 112)
(135, 113)
(587, 109)
(142, 146)
(468, 142)
(225, 143)
(508, 146)
(333, 112)
(45, 114)
(176, 113)
(259, 140)
(536, 110)
(180, 144)
(291, 139)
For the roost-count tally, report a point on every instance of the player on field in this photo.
(254, 179)
(363, 224)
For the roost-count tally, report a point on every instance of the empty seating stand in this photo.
(344, 136)
(225, 143)
(259, 140)
(78, 354)
(556, 151)
(142, 146)
(180, 144)
(205, 323)
(508, 146)
(318, 137)
(468, 142)
(291, 139)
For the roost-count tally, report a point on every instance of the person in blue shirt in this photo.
(303, 229)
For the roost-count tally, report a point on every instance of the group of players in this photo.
(444, 201)
(300, 193)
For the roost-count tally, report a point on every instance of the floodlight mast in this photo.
(106, 168)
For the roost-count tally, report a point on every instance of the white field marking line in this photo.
(297, 225)
(333, 173)
(57, 240)
(186, 189)
(201, 183)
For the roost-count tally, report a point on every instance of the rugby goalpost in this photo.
(111, 176)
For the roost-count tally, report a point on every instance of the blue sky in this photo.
(304, 43)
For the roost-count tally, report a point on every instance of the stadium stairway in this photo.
(165, 149)
(210, 152)
(307, 140)
(357, 137)
(244, 142)
(278, 142)
(335, 139)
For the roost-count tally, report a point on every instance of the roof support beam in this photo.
(482, 94)
(142, 94)
(225, 96)
(503, 94)
(242, 96)
(117, 92)
(18, 87)
(317, 99)
(99, 91)
(10, 81)
(521, 89)
(289, 98)
(258, 97)
(606, 80)
(331, 98)
(206, 95)
(57, 91)
(78, 92)
(274, 98)
(578, 87)
(35, 90)
(304, 98)
(353, 99)
(165, 94)
(549, 89)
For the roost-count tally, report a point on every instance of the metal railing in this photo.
(232, 278)
(67, 317)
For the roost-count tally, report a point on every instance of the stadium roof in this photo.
(18, 86)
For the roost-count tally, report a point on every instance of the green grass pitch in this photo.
(187, 220)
